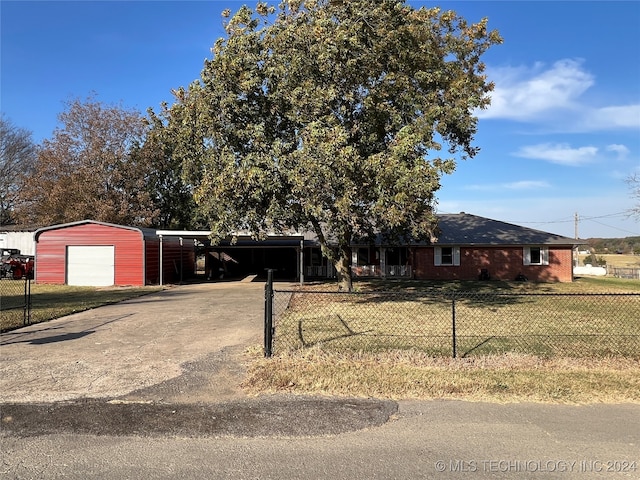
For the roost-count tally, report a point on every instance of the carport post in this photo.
(301, 262)
(268, 314)
(160, 260)
(181, 260)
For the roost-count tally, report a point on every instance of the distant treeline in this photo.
(627, 245)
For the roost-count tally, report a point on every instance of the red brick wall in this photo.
(502, 263)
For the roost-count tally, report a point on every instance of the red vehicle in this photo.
(15, 265)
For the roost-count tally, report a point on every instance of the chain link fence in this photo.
(15, 302)
(458, 324)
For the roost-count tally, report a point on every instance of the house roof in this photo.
(467, 229)
(455, 229)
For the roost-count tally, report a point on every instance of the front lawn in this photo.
(587, 318)
(53, 301)
(339, 359)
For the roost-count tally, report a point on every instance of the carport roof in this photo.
(242, 239)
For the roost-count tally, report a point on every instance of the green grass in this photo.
(575, 320)
(54, 301)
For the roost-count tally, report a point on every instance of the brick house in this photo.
(468, 247)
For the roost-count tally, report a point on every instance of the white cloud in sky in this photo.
(561, 154)
(526, 185)
(614, 117)
(519, 185)
(621, 150)
(534, 93)
(526, 93)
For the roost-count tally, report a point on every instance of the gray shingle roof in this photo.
(466, 229)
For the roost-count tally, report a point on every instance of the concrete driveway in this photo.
(169, 363)
(129, 347)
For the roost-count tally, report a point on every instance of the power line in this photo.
(615, 228)
(571, 219)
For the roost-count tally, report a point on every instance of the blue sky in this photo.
(561, 136)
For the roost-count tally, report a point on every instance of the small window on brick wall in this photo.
(447, 256)
(536, 256)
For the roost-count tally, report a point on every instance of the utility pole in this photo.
(576, 247)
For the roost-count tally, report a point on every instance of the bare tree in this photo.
(17, 156)
(634, 185)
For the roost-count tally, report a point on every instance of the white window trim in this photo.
(437, 259)
(544, 255)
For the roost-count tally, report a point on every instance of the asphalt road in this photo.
(437, 439)
(150, 389)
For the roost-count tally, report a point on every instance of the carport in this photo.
(246, 256)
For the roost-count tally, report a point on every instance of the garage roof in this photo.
(145, 232)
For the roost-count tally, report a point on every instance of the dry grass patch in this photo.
(615, 260)
(55, 301)
(412, 375)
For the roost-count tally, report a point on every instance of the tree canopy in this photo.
(338, 117)
(106, 163)
(17, 156)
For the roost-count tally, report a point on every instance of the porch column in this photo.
(383, 262)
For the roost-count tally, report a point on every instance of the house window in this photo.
(447, 256)
(536, 256)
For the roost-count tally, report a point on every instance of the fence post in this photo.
(453, 324)
(28, 300)
(268, 314)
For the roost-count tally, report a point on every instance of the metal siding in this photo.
(171, 252)
(171, 260)
(51, 251)
(152, 269)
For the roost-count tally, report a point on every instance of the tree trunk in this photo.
(343, 268)
(341, 258)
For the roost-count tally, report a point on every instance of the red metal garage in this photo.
(101, 254)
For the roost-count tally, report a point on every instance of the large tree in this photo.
(17, 156)
(163, 179)
(335, 116)
(85, 170)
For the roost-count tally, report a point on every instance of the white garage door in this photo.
(91, 265)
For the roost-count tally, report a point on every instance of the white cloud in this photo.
(526, 93)
(520, 185)
(561, 154)
(609, 118)
(621, 150)
(526, 185)
(553, 95)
